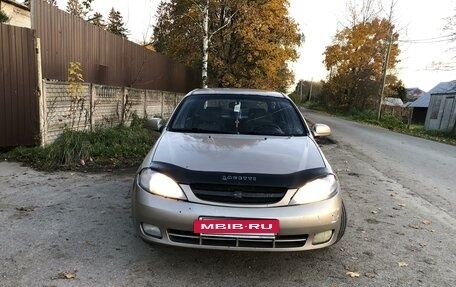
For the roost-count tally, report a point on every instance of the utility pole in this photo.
(310, 91)
(300, 82)
(386, 61)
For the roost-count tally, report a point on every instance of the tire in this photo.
(343, 223)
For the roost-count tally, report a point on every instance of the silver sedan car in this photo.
(238, 169)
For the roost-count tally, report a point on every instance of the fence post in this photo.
(42, 107)
(162, 104)
(410, 115)
(145, 104)
(124, 100)
(93, 95)
(44, 113)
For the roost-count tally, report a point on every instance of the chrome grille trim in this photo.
(279, 241)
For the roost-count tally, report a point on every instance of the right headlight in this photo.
(316, 190)
(160, 184)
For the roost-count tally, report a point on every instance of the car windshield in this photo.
(237, 114)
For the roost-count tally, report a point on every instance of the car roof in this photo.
(235, 91)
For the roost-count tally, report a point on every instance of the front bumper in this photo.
(174, 218)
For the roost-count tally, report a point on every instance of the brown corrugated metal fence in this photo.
(105, 58)
(19, 114)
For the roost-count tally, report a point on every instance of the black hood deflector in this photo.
(292, 180)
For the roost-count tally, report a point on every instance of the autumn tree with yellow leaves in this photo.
(251, 42)
(355, 62)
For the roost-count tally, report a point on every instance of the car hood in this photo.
(238, 153)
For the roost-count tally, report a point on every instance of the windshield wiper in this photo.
(201, 131)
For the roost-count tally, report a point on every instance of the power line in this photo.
(439, 39)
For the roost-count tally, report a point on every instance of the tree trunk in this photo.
(205, 44)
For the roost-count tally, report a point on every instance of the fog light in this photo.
(151, 230)
(322, 237)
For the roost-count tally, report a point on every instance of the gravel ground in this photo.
(74, 229)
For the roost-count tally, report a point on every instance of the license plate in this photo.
(236, 227)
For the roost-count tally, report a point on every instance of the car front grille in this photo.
(278, 241)
(238, 193)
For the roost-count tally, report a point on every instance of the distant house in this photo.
(393, 106)
(442, 112)
(18, 14)
(393, 102)
(413, 94)
(420, 106)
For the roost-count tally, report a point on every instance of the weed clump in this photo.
(118, 146)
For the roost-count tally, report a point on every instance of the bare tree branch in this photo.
(224, 26)
(195, 21)
(200, 7)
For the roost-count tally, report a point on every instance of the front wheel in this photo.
(343, 223)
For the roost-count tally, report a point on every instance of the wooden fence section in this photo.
(106, 58)
(95, 106)
(19, 114)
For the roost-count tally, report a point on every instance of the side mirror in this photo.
(155, 124)
(321, 130)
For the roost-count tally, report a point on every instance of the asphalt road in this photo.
(426, 168)
(74, 229)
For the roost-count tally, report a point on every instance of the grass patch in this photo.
(439, 136)
(395, 123)
(106, 148)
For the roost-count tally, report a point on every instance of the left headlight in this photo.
(316, 190)
(160, 184)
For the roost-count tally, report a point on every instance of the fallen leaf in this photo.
(401, 204)
(423, 244)
(352, 274)
(64, 275)
(374, 211)
(427, 222)
(355, 258)
(69, 275)
(402, 264)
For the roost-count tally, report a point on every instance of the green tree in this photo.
(355, 63)
(251, 42)
(3, 17)
(305, 91)
(97, 20)
(75, 8)
(399, 91)
(115, 24)
(80, 9)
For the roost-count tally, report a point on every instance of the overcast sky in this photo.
(319, 20)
